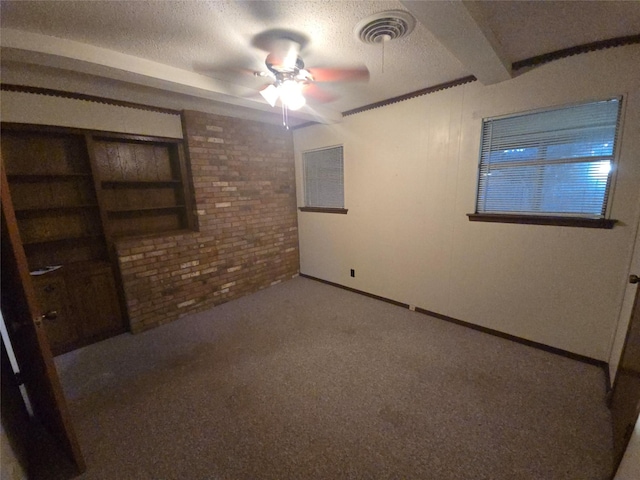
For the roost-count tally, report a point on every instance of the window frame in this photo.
(567, 220)
(318, 209)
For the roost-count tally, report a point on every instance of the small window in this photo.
(324, 180)
(553, 163)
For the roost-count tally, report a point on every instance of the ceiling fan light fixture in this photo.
(270, 94)
(291, 94)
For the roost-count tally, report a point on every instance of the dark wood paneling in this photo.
(44, 154)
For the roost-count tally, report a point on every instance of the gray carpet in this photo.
(308, 381)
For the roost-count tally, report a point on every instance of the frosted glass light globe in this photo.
(291, 95)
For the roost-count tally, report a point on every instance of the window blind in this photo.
(554, 162)
(323, 178)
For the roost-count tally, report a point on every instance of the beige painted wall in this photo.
(410, 180)
(22, 107)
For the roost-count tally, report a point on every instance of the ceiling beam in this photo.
(462, 29)
(32, 48)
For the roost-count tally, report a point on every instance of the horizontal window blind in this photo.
(553, 162)
(323, 178)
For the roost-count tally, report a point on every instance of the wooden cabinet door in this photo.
(51, 292)
(94, 298)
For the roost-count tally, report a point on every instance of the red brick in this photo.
(252, 170)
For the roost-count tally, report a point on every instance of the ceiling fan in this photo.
(292, 82)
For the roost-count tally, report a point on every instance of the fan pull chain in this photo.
(285, 115)
(384, 39)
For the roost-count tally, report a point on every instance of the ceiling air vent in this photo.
(385, 26)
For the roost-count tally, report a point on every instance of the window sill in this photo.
(542, 220)
(342, 211)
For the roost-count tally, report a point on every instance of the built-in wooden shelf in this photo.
(52, 184)
(53, 209)
(139, 183)
(148, 199)
(61, 239)
(45, 177)
(144, 210)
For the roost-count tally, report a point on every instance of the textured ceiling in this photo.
(217, 38)
(529, 28)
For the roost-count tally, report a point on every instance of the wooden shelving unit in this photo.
(141, 185)
(75, 192)
(58, 215)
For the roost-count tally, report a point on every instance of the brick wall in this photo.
(244, 189)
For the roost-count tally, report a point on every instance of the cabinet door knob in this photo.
(50, 315)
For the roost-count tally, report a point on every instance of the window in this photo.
(324, 180)
(552, 164)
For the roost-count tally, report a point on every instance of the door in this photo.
(625, 401)
(26, 332)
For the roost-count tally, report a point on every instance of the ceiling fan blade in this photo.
(356, 74)
(212, 70)
(317, 94)
(233, 73)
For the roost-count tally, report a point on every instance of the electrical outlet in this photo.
(353, 272)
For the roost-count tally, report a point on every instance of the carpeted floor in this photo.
(308, 381)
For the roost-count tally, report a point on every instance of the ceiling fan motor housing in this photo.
(275, 65)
